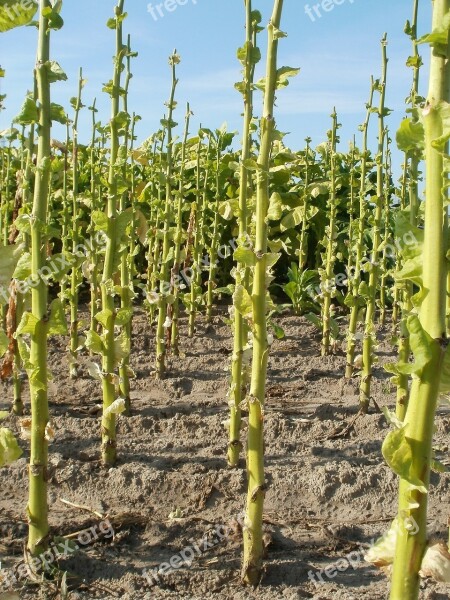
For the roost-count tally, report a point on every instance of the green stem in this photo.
(355, 277)
(38, 470)
(420, 415)
(165, 267)
(109, 444)
(175, 284)
(369, 333)
(76, 275)
(253, 538)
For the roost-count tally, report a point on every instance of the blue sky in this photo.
(337, 54)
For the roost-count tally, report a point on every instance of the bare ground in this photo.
(329, 491)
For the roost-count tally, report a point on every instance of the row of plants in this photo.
(176, 224)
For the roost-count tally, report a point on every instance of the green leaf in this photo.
(123, 316)
(397, 452)
(293, 218)
(283, 75)
(278, 331)
(29, 113)
(245, 256)
(94, 342)
(438, 38)
(15, 14)
(55, 20)
(103, 317)
(57, 113)
(57, 322)
(123, 221)
(275, 209)
(121, 347)
(445, 373)
(250, 53)
(272, 258)
(4, 342)
(100, 220)
(410, 136)
(9, 257)
(242, 301)
(36, 380)
(251, 165)
(9, 448)
(23, 267)
(420, 343)
(314, 319)
(55, 72)
(28, 324)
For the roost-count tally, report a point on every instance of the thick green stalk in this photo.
(38, 474)
(253, 538)
(412, 159)
(240, 338)
(109, 444)
(369, 333)
(420, 414)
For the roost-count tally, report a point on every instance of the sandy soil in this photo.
(329, 491)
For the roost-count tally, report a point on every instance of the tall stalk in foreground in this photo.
(249, 56)
(253, 538)
(113, 226)
(37, 495)
(369, 332)
(413, 441)
(412, 161)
